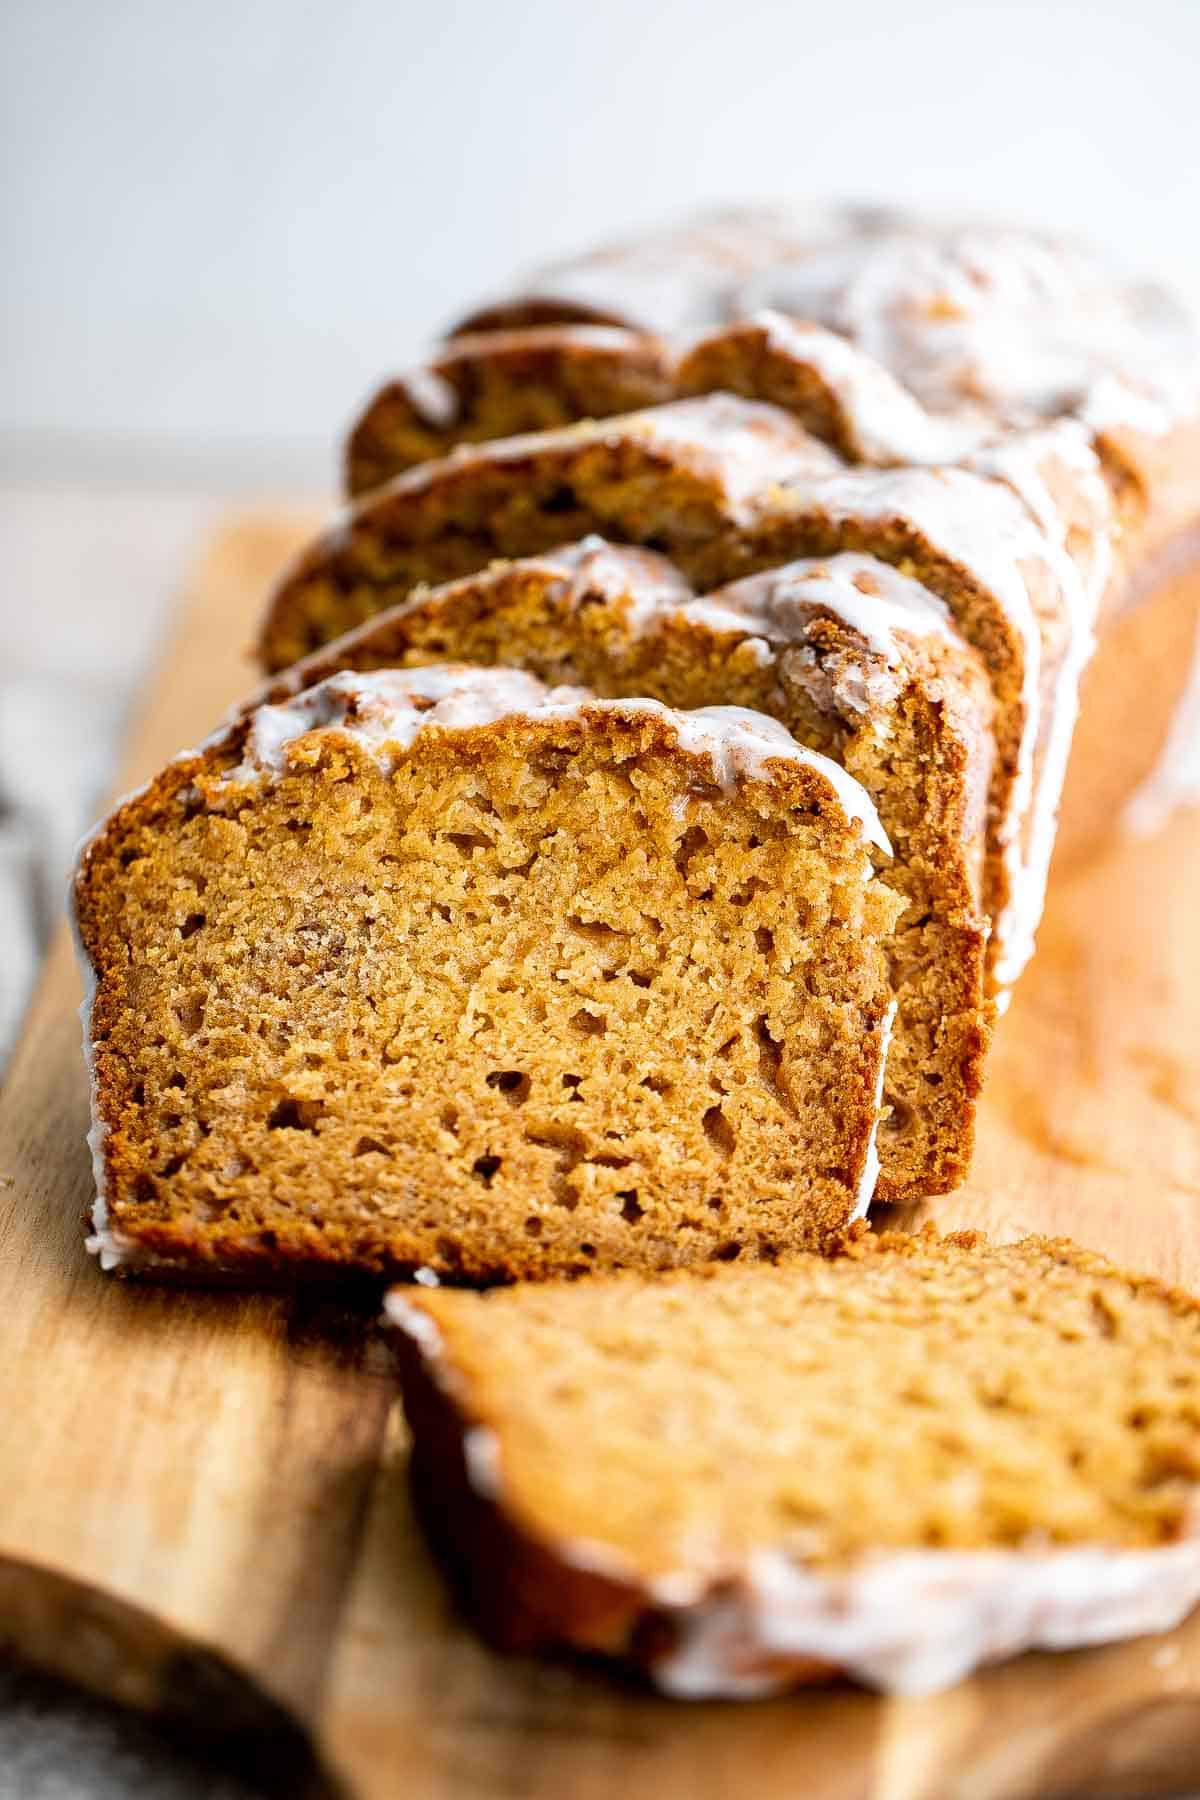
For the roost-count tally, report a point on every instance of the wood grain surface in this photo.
(202, 1498)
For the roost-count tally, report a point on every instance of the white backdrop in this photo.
(223, 219)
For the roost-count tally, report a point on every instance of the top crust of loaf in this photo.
(1024, 325)
(679, 277)
(980, 324)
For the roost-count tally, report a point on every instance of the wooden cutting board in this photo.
(202, 1499)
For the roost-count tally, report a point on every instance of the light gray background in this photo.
(222, 220)
(226, 218)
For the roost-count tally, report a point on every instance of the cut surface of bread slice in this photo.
(858, 662)
(671, 477)
(729, 487)
(500, 385)
(980, 324)
(440, 968)
(898, 1463)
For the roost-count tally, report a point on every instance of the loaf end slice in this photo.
(899, 1463)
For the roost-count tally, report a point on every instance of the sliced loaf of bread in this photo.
(860, 663)
(728, 487)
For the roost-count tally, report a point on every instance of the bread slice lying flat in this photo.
(899, 1463)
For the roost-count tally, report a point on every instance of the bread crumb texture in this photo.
(913, 1392)
(538, 996)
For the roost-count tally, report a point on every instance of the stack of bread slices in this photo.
(646, 815)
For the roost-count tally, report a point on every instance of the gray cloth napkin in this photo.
(56, 1744)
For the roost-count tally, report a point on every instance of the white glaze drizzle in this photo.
(874, 599)
(481, 1452)
(642, 582)
(385, 710)
(1020, 462)
(404, 1312)
(871, 1166)
(431, 396)
(1026, 327)
(985, 530)
(486, 345)
(889, 424)
(915, 1622)
(749, 446)
(383, 714)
